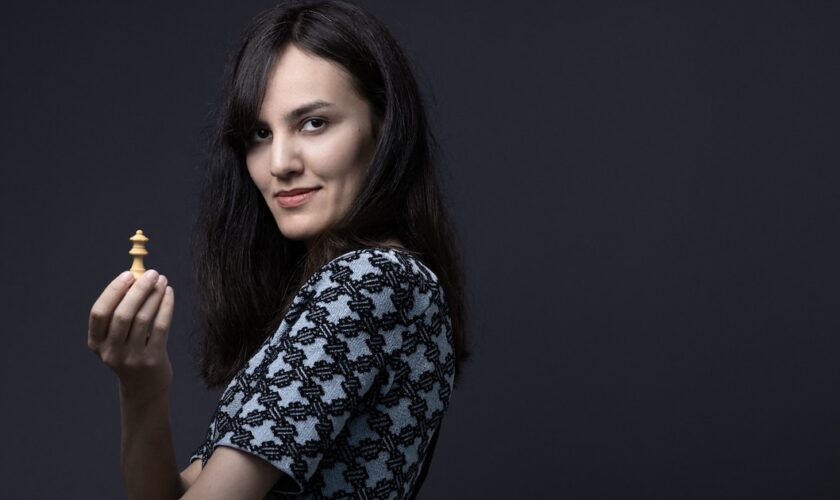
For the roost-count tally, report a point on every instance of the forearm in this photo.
(147, 455)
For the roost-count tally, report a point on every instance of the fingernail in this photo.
(152, 275)
(126, 276)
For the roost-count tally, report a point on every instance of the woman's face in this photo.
(314, 133)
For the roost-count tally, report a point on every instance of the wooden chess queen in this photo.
(138, 251)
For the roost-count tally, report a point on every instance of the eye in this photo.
(318, 124)
(259, 134)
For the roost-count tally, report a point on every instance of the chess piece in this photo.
(138, 251)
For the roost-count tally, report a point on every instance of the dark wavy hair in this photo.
(247, 271)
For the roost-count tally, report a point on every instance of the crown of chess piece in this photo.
(138, 251)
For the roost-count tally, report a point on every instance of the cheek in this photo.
(257, 174)
(345, 158)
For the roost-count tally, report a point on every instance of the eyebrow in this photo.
(298, 112)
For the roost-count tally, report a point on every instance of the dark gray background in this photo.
(647, 196)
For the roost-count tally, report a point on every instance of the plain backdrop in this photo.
(647, 195)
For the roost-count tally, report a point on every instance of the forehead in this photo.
(300, 76)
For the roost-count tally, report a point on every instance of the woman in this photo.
(331, 292)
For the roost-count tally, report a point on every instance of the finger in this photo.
(139, 331)
(160, 329)
(103, 307)
(126, 310)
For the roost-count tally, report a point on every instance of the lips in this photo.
(295, 191)
(295, 197)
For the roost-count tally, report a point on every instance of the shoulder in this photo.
(372, 270)
(370, 284)
(380, 260)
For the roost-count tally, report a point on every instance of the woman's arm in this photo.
(147, 455)
(128, 329)
(231, 473)
(190, 474)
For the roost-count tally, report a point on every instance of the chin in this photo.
(297, 232)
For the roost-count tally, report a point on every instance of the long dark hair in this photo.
(247, 271)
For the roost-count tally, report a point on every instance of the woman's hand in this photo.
(128, 330)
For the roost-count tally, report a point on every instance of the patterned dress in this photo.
(347, 393)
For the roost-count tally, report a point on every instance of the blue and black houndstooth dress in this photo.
(347, 393)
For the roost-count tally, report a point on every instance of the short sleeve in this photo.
(295, 395)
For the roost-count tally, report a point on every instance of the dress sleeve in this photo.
(295, 394)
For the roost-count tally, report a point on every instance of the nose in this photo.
(285, 158)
